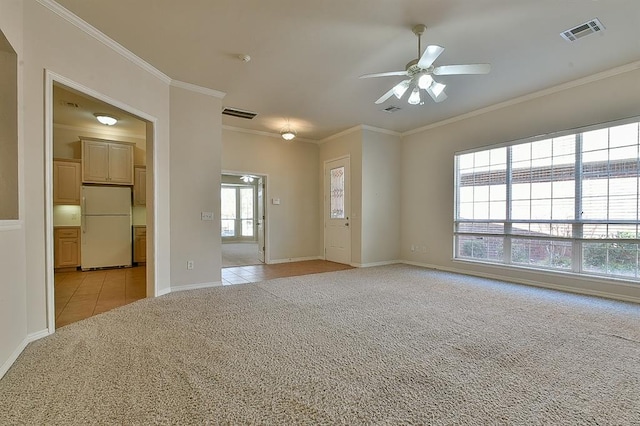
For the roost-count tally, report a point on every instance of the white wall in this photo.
(52, 43)
(380, 197)
(13, 301)
(292, 176)
(196, 125)
(428, 175)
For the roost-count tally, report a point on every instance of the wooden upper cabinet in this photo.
(107, 162)
(67, 175)
(140, 186)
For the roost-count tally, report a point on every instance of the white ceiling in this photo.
(306, 56)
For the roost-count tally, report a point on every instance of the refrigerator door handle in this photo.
(83, 223)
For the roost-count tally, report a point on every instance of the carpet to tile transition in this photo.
(385, 345)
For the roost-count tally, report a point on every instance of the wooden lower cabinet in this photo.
(139, 244)
(66, 253)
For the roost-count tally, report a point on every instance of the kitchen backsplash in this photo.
(66, 215)
(139, 216)
(70, 215)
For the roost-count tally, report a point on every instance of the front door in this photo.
(337, 231)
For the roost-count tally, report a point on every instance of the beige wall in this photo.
(427, 167)
(292, 176)
(349, 143)
(196, 125)
(375, 191)
(13, 300)
(380, 197)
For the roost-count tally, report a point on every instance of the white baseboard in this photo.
(294, 259)
(38, 335)
(568, 289)
(382, 263)
(16, 353)
(195, 286)
(163, 291)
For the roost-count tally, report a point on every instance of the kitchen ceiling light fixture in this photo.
(106, 119)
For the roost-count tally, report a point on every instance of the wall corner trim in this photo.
(103, 38)
(16, 353)
(198, 89)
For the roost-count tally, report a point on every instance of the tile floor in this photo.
(255, 273)
(79, 295)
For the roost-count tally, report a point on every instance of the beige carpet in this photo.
(385, 345)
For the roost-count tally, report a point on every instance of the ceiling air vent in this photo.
(391, 109)
(69, 104)
(235, 112)
(583, 30)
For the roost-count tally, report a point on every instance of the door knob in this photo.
(346, 224)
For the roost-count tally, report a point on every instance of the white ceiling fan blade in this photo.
(384, 74)
(462, 69)
(430, 54)
(386, 96)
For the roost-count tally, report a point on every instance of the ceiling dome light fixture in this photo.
(106, 119)
(288, 133)
(247, 178)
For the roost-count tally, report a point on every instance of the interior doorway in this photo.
(76, 290)
(242, 219)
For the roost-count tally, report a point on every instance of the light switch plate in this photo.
(275, 201)
(206, 215)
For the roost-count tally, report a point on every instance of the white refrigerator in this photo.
(106, 227)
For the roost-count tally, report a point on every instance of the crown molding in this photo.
(546, 92)
(268, 134)
(380, 130)
(342, 133)
(103, 38)
(198, 89)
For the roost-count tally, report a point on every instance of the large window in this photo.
(568, 202)
(238, 211)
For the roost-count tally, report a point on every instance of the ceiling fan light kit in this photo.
(421, 71)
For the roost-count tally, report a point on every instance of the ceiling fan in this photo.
(420, 74)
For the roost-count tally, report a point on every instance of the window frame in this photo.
(577, 239)
(238, 220)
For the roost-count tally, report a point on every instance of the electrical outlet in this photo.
(189, 264)
(413, 247)
(206, 215)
